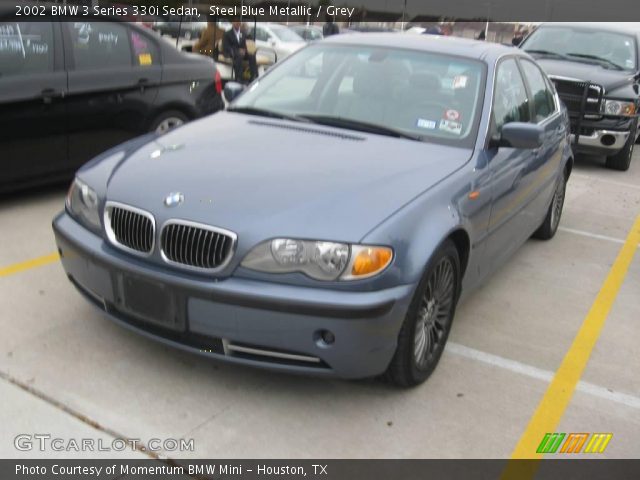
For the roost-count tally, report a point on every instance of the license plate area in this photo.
(150, 302)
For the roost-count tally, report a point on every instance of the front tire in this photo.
(551, 222)
(427, 325)
(622, 160)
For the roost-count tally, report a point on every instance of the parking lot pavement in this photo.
(507, 342)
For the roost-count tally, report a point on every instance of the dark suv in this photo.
(70, 90)
(595, 68)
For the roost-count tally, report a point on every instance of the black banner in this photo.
(386, 11)
(566, 469)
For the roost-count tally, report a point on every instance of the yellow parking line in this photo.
(33, 263)
(555, 400)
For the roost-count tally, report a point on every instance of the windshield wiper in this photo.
(596, 58)
(361, 126)
(546, 53)
(262, 112)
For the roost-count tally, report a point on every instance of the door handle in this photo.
(49, 93)
(142, 83)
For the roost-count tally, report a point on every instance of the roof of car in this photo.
(463, 47)
(623, 27)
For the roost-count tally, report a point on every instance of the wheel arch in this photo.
(462, 242)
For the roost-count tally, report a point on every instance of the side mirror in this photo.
(187, 48)
(521, 135)
(232, 90)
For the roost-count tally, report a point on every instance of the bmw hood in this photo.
(264, 178)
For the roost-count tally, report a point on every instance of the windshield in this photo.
(286, 34)
(427, 96)
(609, 49)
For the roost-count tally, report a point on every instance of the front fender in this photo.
(418, 228)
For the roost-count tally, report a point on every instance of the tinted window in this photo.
(26, 48)
(99, 45)
(543, 104)
(510, 102)
(145, 51)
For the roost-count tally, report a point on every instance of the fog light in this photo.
(328, 337)
(608, 140)
(324, 338)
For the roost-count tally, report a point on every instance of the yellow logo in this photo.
(573, 443)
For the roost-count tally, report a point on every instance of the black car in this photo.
(70, 90)
(596, 71)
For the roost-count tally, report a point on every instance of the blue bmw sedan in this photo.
(331, 219)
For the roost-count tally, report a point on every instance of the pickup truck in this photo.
(596, 72)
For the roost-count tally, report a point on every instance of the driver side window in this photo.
(510, 100)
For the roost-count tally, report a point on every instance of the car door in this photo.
(114, 75)
(510, 167)
(33, 136)
(545, 170)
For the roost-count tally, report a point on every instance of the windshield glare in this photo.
(433, 96)
(617, 48)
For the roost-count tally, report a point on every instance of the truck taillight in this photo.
(218, 80)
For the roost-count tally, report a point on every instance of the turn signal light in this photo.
(370, 260)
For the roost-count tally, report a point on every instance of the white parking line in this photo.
(540, 374)
(591, 235)
(604, 180)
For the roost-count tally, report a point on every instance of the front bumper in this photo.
(237, 320)
(608, 140)
(605, 136)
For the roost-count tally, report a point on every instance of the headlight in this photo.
(317, 259)
(617, 107)
(82, 204)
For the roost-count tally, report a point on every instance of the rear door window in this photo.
(145, 51)
(26, 48)
(99, 45)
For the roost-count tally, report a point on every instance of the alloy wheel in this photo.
(434, 313)
(168, 124)
(558, 202)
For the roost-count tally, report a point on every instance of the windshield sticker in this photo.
(424, 123)
(451, 127)
(451, 114)
(460, 81)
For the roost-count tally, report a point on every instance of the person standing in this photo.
(206, 44)
(234, 46)
(330, 28)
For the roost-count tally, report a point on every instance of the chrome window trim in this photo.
(211, 228)
(112, 236)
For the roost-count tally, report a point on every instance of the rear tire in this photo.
(427, 325)
(549, 226)
(167, 121)
(621, 160)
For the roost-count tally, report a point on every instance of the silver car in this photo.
(330, 220)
